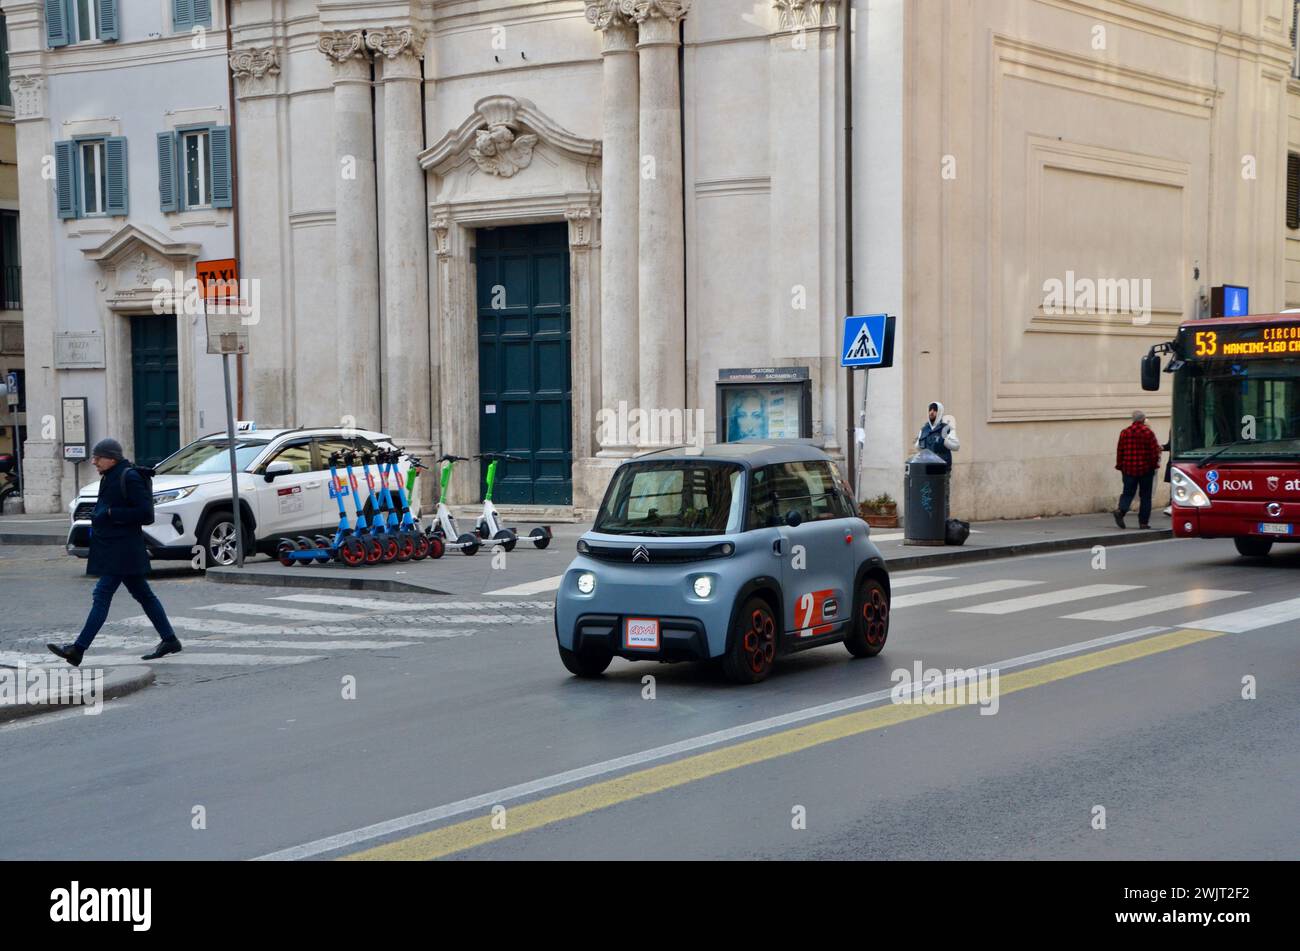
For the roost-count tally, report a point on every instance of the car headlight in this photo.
(586, 582)
(703, 586)
(172, 495)
(1185, 491)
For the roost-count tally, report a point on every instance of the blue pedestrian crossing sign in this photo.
(868, 341)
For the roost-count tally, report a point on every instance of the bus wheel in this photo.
(1254, 547)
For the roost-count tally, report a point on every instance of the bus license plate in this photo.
(1272, 528)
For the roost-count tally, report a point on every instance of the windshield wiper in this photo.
(1240, 442)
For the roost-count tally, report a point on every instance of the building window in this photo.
(187, 14)
(194, 168)
(198, 169)
(80, 21)
(90, 177)
(11, 272)
(6, 96)
(1293, 191)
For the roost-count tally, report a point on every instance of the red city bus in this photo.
(1236, 429)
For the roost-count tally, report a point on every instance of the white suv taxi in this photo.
(284, 484)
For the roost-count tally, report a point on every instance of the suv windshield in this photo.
(672, 497)
(211, 455)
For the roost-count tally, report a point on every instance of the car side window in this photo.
(761, 511)
(807, 488)
(337, 444)
(297, 454)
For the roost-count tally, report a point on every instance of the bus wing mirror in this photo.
(1151, 372)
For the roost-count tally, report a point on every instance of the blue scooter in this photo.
(344, 547)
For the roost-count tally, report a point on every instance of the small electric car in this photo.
(738, 553)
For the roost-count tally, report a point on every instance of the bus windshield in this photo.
(1248, 410)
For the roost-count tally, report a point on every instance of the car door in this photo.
(290, 504)
(817, 554)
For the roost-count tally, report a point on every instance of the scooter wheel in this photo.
(374, 551)
(391, 548)
(506, 539)
(468, 544)
(540, 537)
(284, 551)
(436, 547)
(305, 544)
(352, 552)
(419, 546)
(323, 545)
(405, 547)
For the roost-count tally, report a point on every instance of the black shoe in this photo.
(1119, 518)
(165, 647)
(1144, 525)
(69, 652)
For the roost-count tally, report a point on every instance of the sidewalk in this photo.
(73, 694)
(528, 572)
(34, 529)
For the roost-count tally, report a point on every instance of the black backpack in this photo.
(146, 474)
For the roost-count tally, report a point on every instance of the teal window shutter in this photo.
(115, 162)
(219, 147)
(202, 12)
(182, 14)
(108, 19)
(168, 187)
(56, 23)
(65, 178)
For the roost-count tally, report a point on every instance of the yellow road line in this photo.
(472, 833)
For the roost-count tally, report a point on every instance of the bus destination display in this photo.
(1241, 343)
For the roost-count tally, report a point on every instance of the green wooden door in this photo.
(525, 382)
(155, 388)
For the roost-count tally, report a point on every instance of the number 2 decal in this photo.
(812, 608)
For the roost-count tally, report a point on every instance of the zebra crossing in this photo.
(295, 629)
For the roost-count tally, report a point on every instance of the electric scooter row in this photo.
(488, 527)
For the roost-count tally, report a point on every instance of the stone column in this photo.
(661, 285)
(407, 403)
(42, 468)
(620, 194)
(356, 248)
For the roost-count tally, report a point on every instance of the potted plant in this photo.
(880, 512)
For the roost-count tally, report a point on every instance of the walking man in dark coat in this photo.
(117, 552)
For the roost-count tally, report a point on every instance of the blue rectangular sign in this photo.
(868, 341)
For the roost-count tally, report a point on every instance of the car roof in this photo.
(747, 452)
(273, 434)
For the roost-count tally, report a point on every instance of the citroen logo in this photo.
(640, 553)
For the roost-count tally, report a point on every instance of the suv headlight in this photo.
(1186, 492)
(172, 495)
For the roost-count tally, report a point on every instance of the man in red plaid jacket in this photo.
(1137, 457)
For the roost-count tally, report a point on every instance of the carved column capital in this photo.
(581, 226)
(255, 68)
(805, 14)
(613, 18)
(346, 51)
(657, 20)
(394, 42)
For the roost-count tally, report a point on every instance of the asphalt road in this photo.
(461, 705)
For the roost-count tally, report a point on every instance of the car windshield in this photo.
(1237, 411)
(672, 498)
(211, 455)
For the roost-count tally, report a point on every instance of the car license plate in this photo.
(1272, 528)
(641, 633)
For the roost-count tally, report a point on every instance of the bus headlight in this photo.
(586, 582)
(1186, 492)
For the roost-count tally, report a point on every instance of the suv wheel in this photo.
(752, 653)
(870, 620)
(217, 536)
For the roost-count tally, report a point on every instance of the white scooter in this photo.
(489, 527)
(444, 523)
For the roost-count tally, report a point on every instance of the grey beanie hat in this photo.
(108, 449)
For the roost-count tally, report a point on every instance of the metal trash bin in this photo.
(925, 499)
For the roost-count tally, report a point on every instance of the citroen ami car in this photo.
(738, 553)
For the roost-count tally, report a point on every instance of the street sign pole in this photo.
(868, 344)
(234, 475)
